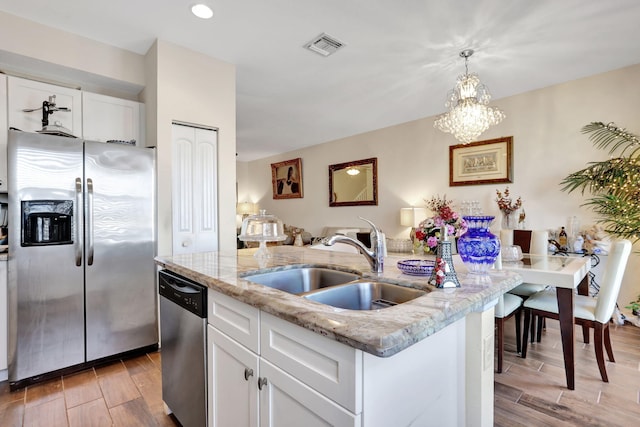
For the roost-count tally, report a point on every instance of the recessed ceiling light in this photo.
(202, 11)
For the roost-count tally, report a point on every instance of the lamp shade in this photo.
(411, 217)
(246, 208)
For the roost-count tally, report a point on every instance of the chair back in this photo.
(612, 280)
(499, 308)
(530, 241)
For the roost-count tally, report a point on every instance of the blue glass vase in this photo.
(478, 247)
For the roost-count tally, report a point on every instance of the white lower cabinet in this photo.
(285, 401)
(233, 389)
(239, 378)
(246, 389)
(267, 372)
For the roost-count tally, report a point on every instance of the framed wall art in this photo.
(286, 178)
(482, 162)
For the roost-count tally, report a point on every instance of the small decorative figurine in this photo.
(444, 275)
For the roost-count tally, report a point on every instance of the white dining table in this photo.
(567, 274)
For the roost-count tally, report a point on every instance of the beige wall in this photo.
(49, 54)
(187, 84)
(413, 162)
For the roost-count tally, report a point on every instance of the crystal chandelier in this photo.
(469, 114)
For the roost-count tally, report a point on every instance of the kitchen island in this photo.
(428, 361)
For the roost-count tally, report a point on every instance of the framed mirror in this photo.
(354, 183)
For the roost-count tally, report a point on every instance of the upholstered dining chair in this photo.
(508, 306)
(593, 312)
(533, 242)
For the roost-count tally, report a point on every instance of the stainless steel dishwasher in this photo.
(183, 331)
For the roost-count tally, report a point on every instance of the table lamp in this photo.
(412, 217)
(246, 208)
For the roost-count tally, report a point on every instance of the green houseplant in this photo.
(614, 184)
(634, 306)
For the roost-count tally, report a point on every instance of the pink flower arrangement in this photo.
(428, 232)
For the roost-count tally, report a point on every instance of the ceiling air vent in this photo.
(324, 45)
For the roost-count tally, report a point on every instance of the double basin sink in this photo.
(342, 289)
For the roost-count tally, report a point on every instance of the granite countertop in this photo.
(379, 332)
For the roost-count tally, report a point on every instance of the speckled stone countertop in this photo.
(4, 256)
(380, 332)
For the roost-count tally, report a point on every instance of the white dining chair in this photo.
(592, 312)
(508, 306)
(533, 242)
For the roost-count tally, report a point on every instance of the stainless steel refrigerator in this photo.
(82, 238)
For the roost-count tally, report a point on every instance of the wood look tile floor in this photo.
(124, 393)
(533, 392)
(529, 392)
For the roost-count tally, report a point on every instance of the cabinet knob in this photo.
(248, 373)
(261, 383)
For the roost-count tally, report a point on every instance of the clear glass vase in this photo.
(509, 220)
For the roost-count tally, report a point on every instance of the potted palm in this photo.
(612, 183)
(634, 306)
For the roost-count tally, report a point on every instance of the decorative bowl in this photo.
(416, 267)
(511, 253)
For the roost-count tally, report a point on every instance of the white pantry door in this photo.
(194, 189)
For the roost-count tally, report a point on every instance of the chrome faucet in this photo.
(375, 255)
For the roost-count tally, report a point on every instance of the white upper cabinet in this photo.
(26, 94)
(83, 114)
(107, 118)
(3, 133)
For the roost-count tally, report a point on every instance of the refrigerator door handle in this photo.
(90, 221)
(79, 226)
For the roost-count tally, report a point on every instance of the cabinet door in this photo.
(27, 94)
(194, 190)
(107, 118)
(233, 382)
(327, 366)
(286, 402)
(3, 133)
(239, 321)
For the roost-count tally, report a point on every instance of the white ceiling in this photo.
(400, 60)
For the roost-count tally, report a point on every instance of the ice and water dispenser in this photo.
(47, 222)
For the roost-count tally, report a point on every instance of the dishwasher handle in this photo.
(187, 294)
(182, 288)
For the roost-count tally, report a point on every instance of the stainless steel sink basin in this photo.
(364, 295)
(303, 279)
